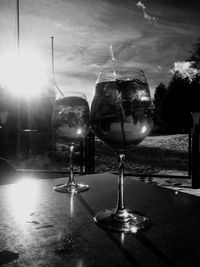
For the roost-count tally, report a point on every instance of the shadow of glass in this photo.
(154, 249)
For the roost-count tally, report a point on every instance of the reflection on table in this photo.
(39, 227)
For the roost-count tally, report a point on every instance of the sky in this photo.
(151, 35)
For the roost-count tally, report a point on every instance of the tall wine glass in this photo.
(121, 117)
(71, 121)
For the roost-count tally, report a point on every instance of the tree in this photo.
(160, 91)
(183, 93)
(183, 96)
(173, 104)
(195, 56)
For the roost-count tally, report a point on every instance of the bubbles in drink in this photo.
(71, 119)
(121, 113)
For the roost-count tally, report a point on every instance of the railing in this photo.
(30, 138)
(194, 154)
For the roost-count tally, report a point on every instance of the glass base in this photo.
(131, 223)
(71, 188)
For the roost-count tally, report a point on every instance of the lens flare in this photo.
(23, 73)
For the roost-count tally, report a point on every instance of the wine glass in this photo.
(71, 121)
(121, 117)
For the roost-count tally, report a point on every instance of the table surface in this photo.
(41, 227)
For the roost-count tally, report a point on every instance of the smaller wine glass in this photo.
(71, 121)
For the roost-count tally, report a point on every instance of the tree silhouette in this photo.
(176, 105)
(195, 54)
(160, 91)
(183, 93)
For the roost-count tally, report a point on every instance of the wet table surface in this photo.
(41, 227)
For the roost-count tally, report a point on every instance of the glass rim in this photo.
(108, 73)
(123, 68)
(72, 93)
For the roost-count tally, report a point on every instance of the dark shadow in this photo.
(85, 204)
(117, 242)
(7, 256)
(115, 238)
(124, 251)
(154, 249)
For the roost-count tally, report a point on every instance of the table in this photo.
(41, 227)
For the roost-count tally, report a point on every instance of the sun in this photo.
(23, 73)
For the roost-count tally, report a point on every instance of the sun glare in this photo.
(23, 198)
(23, 74)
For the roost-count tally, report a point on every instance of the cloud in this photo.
(141, 5)
(147, 17)
(184, 69)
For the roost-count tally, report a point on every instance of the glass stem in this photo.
(71, 154)
(120, 200)
(121, 214)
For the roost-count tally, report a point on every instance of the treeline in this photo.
(173, 104)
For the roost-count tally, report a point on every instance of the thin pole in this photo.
(18, 27)
(53, 132)
(19, 106)
(52, 55)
